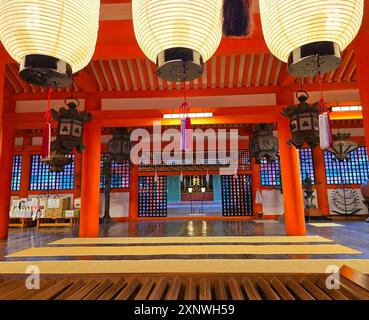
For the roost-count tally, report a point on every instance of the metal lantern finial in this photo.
(342, 147)
(304, 121)
(263, 143)
(57, 161)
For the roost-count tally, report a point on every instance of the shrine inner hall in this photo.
(184, 150)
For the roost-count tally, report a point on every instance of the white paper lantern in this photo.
(51, 39)
(178, 35)
(298, 32)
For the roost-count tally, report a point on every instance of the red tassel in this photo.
(188, 123)
(46, 131)
(46, 139)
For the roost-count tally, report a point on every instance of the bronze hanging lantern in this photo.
(304, 121)
(69, 135)
(70, 127)
(119, 147)
(341, 147)
(263, 143)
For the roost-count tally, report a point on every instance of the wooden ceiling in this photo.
(240, 66)
(221, 72)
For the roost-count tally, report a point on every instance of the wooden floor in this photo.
(352, 286)
(353, 234)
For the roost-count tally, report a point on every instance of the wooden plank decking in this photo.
(353, 286)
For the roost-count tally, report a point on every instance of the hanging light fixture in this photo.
(69, 135)
(310, 35)
(342, 147)
(70, 127)
(178, 35)
(51, 39)
(119, 147)
(263, 143)
(304, 121)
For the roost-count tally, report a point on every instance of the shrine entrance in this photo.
(195, 196)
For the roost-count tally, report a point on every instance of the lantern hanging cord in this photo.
(48, 115)
(321, 101)
(184, 108)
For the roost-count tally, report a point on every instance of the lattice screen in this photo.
(152, 197)
(306, 164)
(217, 188)
(120, 173)
(236, 195)
(270, 173)
(355, 171)
(43, 179)
(17, 171)
(244, 159)
(174, 188)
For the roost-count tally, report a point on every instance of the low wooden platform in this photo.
(353, 286)
(358, 217)
(57, 222)
(22, 222)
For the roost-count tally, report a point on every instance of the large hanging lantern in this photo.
(310, 34)
(50, 39)
(178, 35)
(119, 147)
(70, 127)
(263, 143)
(69, 135)
(341, 147)
(304, 121)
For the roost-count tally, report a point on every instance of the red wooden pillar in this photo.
(321, 180)
(133, 193)
(2, 108)
(290, 173)
(6, 159)
(291, 182)
(6, 166)
(26, 166)
(77, 175)
(90, 190)
(362, 57)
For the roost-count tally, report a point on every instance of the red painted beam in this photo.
(86, 81)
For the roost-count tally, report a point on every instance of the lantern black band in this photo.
(45, 71)
(313, 58)
(179, 64)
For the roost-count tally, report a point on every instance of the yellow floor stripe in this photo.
(326, 224)
(265, 221)
(176, 240)
(182, 266)
(184, 250)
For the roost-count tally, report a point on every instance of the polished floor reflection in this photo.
(351, 234)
